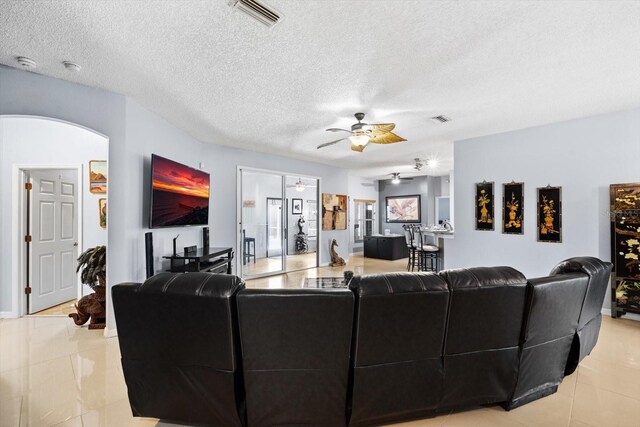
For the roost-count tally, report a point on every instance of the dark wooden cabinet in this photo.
(385, 247)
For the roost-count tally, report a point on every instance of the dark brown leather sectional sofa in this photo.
(200, 348)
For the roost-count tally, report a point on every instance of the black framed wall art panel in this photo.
(513, 208)
(625, 248)
(550, 214)
(484, 206)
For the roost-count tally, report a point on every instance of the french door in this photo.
(270, 226)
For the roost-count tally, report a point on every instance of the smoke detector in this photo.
(258, 11)
(26, 63)
(71, 66)
(440, 119)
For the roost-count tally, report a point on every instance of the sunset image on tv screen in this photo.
(180, 194)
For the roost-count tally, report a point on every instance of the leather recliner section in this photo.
(397, 370)
(295, 352)
(481, 350)
(586, 337)
(551, 321)
(177, 335)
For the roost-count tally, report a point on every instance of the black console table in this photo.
(385, 247)
(214, 260)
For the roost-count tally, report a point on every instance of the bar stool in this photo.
(428, 252)
(408, 237)
(249, 249)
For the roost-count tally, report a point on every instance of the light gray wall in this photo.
(582, 156)
(427, 186)
(134, 134)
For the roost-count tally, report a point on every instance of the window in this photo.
(364, 217)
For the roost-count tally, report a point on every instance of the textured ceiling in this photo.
(226, 79)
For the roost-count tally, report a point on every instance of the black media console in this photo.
(212, 260)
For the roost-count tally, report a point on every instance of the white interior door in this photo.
(54, 232)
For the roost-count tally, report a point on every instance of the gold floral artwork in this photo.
(547, 226)
(483, 201)
(515, 219)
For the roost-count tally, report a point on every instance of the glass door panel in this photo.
(261, 224)
(301, 222)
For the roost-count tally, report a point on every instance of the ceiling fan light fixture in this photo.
(300, 186)
(359, 139)
(395, 179)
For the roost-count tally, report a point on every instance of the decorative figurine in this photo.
(336, 260)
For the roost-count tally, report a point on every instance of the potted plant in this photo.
(93, 263)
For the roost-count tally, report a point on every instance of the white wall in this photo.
(135, 133)
(366, 189)
(33, 142)
(583, 156)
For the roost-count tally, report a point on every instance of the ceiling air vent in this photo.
(257, 11)
(441, 119)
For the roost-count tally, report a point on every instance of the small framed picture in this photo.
(102, 209)
(98, 176)
(296, 206)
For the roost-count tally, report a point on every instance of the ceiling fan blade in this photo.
(358, 148)
(385, 138)
(326, 144)
(337, 130)
(379, 127)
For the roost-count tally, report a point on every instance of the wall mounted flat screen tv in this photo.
(179, 194)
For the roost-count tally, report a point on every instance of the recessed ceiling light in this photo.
(26, 62)
(71, 66)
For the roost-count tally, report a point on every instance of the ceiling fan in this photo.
(395, 178)
(362, 134)
(300, 185)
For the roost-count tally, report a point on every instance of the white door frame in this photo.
(239, 243)
(19, 225)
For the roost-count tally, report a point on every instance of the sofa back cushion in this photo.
(590, 318)
(486, 310)
(551, 320)
(295, 354)
(599, 273)
(178, 339)
(481, 348)
(397, 346)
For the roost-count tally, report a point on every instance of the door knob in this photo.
(75, 243)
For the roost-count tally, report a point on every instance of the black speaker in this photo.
(205, 237)
(148, 247)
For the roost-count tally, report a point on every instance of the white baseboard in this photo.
(110, 333)
(630, 316)
(8, 315)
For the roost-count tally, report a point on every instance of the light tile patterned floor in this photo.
(55, 373)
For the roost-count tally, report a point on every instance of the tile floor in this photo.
(63, 309)
(53, 373)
